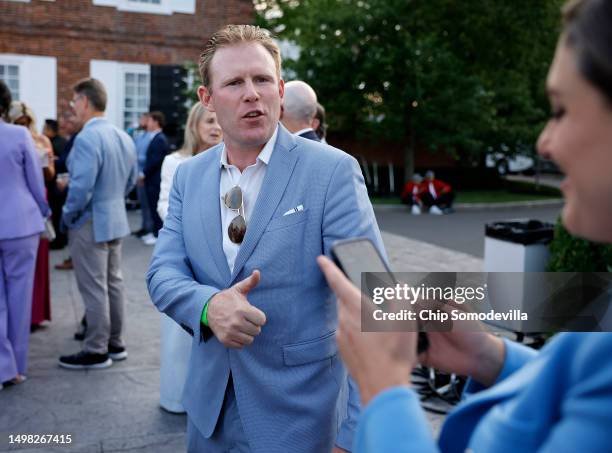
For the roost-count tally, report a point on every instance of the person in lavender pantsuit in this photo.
(22, 213)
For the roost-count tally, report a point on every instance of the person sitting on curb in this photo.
(436, 195)
(411, 195)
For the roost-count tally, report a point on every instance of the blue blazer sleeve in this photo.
(565, 407)
(34, 174)
(133, 176)
(394, 422)
(517, 355)
(348, 213)
(83, 166)
(170, 280)
(585, 415)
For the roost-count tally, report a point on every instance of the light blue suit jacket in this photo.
(103, 170)
(557, 400)
(291, 387)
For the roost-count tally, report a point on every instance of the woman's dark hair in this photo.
(53, 125)
(588, 31)
(5, 99)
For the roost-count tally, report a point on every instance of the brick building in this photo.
(133, 46)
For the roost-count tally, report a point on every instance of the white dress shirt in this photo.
(250, 181)
(169, 166)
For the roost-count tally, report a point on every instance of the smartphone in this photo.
(357, 255)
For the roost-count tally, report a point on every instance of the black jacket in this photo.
(157, 150)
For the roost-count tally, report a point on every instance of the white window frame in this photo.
(12, 61)
(135, 6)
(137, 69)
(37, 83)
(112, 75)
(165, 7)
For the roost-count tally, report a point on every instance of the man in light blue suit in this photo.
(103, 170)
(235, 265)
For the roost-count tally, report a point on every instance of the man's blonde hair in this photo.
(231, 35)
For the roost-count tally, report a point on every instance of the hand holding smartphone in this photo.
(354, 256)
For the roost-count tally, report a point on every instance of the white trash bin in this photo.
(517, 246)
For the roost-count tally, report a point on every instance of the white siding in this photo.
(37, 83)
(183, 6)
(105, 2)
(112, 75)
(165, 6)
(109, 73)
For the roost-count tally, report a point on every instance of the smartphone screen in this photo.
(359, 255)
(355, 256)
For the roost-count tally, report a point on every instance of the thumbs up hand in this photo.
(233, 320)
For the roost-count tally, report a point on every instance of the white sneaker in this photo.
(149, 239)
(435, 210)
(416, 210)
(146, 237)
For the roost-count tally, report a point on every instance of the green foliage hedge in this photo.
(571, 254)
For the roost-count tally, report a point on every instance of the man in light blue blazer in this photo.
(103, 170)
(235, 265)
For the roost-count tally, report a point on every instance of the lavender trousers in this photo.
(17, 265)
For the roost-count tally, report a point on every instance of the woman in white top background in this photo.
(201, 132)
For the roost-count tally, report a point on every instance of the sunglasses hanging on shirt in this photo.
(234, 201)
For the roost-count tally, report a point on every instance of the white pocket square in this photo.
(299, 208)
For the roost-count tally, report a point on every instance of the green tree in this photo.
(572, 254)
(458, 76)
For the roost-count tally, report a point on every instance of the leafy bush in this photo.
(571, 254)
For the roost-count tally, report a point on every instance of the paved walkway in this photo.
(116, 409)
(462, 231)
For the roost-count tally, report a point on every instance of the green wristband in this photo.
(204, 318)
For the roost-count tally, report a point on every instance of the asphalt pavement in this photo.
(462, 231)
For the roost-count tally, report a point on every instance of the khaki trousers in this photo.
(97, 268)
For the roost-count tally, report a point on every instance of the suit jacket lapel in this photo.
(210, 211)
(277, 177)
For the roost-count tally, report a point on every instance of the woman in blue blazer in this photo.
(557, 400)
(22, 212)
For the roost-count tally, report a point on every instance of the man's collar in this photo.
(93, 120)
(303, 131)
(264, 154)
